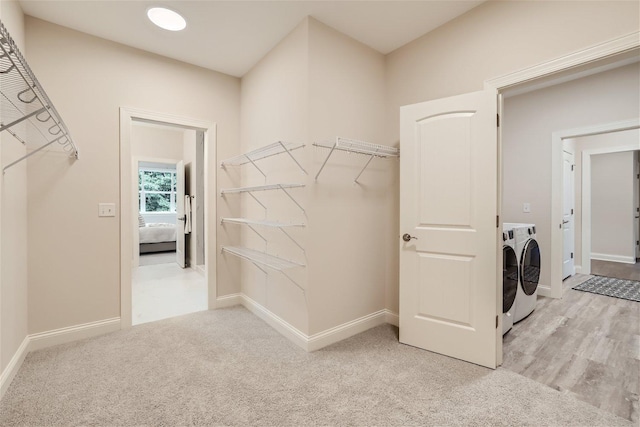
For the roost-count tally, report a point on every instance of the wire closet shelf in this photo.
(26, 112)
(270, 150)
(358, 147)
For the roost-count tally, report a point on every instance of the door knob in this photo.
(407, 237)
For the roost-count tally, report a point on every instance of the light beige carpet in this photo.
(227, 367)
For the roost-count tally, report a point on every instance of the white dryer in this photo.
(528, 253)
(510, 273)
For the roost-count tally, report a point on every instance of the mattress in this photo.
(157, 233)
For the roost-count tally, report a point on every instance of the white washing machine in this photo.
(528, 253)
(510, 273)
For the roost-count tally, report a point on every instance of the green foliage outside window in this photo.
(156, 190)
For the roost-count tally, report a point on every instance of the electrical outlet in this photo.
(526, 207)
(106, 209)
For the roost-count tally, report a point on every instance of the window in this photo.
(156, 190)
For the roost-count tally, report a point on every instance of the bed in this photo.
(157, 237)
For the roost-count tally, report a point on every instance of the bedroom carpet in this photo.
(227, 367)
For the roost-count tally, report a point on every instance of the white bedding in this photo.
(158, 232)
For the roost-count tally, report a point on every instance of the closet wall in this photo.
(74, 256)
(315, 85)
(13, 222)
(491, 40)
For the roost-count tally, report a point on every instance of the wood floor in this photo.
(584, 344)
(618, 270)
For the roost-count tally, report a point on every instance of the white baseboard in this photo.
(73, 333)
(346, 330)
(321, 339)
(544, 290)
(297, 337)
(614, 258)
(228, 301)
(578, 269)
(13, 367)
(392, 318)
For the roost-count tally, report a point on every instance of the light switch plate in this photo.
(106, 209)
(526, 207)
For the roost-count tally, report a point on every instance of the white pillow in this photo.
(141, 222)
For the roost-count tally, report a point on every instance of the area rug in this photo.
(611, 287)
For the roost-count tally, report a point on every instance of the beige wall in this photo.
(612, 207)
(494, 39)
(350, 228)
(74, 274)
(607, 141)
(315, 85)
(162, 142)
(274, 107)
(13, 221)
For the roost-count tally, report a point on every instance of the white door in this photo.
(180, 251)
(448, 201)
(568, 188)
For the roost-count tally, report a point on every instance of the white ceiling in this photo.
(231, 36)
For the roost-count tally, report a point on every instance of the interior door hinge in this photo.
(571, 255)
(572, 166)
(496, 321)
(571, 211)
(497, 221)
(498, 120)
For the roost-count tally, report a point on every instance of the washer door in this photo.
(530, 267)
(509, 277)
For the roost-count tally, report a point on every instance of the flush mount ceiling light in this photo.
(166, 19)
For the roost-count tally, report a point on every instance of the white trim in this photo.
(346, 330)
(614, 258)
(544, 290)
(578, 269)
(392, 318)
(321, 339)
(127, 207)
(13, 367)
(294, 335)
(72, 333)
(581, 57)
(228, 301)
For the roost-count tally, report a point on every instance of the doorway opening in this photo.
(546, 180)
(166, 267)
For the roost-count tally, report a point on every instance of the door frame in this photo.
(573, 203)
(499, 84)
(555, 289)
(127, 116)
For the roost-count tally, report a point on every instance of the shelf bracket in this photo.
(325, 161)
(256, 166)
(31, 153)
(292, 239)
(256, 231)
(293, 158)
(294, 282)
(291, 197)
(355, 181)
(23, 118)
(257, 201)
